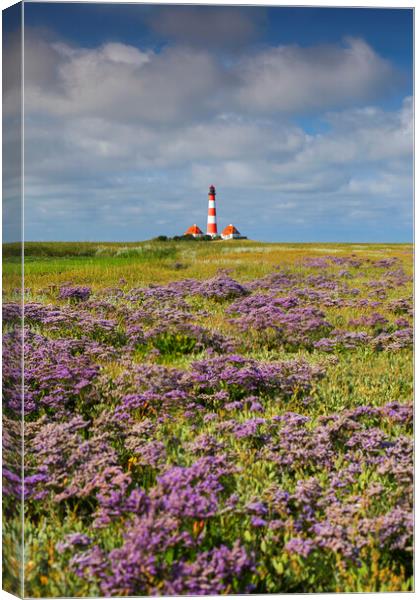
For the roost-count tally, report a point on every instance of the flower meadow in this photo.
(218, 434)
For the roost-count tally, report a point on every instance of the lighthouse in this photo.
(229, 233)
(211, 215)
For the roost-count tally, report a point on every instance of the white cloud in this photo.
(368, 138)
(293, 79)
(122, 83)
(118, 136)
(117, 174)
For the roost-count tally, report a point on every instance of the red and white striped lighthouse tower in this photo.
(211, 215)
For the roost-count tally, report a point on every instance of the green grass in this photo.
(355, 378)
(141, 263)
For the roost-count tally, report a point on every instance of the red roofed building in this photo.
(230, 233)
(194, 230)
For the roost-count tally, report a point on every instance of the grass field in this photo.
(141, 263)
(220, 417)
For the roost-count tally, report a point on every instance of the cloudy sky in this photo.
(301, 118)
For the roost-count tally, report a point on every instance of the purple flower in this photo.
(258, 522)
(73, 539)
(75, 293)
(300, 546)
(192, 491)
(222, 287)
(211, 572)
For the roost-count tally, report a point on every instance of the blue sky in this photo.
(301, 118)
